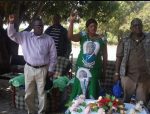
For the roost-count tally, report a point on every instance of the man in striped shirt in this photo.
(63, 45)
(59, 34)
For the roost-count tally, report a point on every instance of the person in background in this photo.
(95, 66)
(40, 55)
(59, 34)
(63, 45)
(133, 63)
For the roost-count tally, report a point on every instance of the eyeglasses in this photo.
(38, 25)
(136, 25)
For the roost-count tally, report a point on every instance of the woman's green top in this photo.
(88, 66)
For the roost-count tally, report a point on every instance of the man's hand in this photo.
(116, 77)
(50, 74)
(11, 18)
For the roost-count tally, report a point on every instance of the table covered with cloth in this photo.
(81, 109)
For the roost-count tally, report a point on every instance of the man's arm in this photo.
(105, 57)
(117, 68)
(67, 48)
(53, 59)
(12, 34)
(119, 56)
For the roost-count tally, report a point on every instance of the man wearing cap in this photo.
(133, 63)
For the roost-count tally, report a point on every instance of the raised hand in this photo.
(11, 18)
(73, 15)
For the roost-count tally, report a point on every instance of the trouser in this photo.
(35, 78)
(140, 89)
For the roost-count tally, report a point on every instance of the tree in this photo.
(119, 25)
(26, 11)
(144, 15)
(23, 11)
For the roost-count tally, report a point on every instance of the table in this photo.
(127, 106)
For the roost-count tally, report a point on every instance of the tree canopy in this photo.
(27, 10)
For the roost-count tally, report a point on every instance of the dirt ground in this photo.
(6, 106)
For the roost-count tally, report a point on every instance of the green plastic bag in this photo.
(17, 80)
(60, 82)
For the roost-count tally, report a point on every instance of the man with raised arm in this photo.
(40, 55)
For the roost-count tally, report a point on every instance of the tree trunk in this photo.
(4, 55)
(37, 12)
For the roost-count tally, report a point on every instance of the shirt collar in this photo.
(33, 35)
(140, 39)
(56, 25)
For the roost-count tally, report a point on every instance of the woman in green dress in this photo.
(91, 62)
